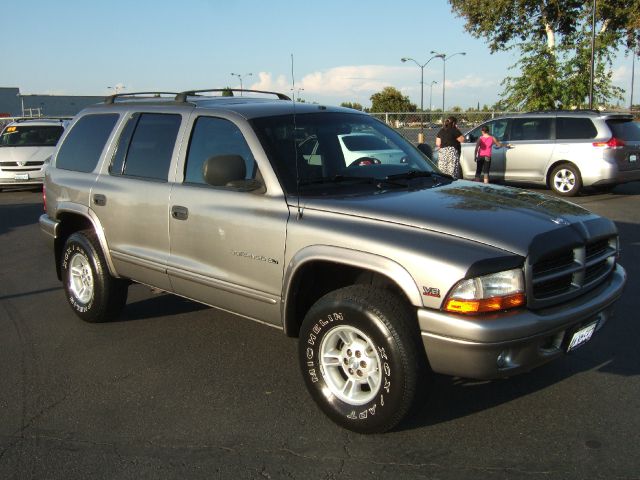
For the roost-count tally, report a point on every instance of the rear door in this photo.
(131, 198)
(532, 141)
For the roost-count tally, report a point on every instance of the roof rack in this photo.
(146, 95)
(182, 96)
(561, 110)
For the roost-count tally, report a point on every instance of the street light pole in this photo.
(407, 59)
(433, 82)
(240, 77)
(444, 58)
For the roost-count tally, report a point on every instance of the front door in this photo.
(227, 242)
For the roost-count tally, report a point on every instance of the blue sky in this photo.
(342, 50)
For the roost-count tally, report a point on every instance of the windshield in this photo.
(31, 136)
(337, 151)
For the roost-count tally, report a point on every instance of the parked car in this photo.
(385, 272)
(25, 147)
(564, 150)
(363, 147)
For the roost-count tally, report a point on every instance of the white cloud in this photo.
(345, 82)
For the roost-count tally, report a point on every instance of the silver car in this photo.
(564, 150)
(25, 147)
(385, 272)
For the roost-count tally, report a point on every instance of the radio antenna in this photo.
(295, 143)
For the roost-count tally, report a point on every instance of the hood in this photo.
(503, 217)
(25, 154)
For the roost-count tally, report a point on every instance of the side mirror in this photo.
(223, 169)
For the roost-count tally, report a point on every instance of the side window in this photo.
(499, 129)
(530, 129)
(83, 145)
(146, 145)
(212, 137)
(575, 128)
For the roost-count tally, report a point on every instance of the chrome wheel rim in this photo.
(350, 365)
(564, 180)
(80, 278)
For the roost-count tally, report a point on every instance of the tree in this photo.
(554, 39)
(391, 100)
(354, 105)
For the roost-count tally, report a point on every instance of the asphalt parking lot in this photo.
(178, 390)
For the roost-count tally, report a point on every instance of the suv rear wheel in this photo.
(565, 180)
(361, 359)
(92, 292)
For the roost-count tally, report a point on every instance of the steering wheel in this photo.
(363, 162)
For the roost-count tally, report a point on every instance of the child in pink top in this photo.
(483, 153)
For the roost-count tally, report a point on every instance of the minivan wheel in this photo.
(361, 359)
(94, 295)
(566, 180)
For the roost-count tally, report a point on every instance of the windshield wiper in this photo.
(378, 182)
(409, 175)
(336, 179)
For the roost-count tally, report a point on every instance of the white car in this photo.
(25, 147)
(366, 147)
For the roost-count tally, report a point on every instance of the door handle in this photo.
(99, 199)
(179, 213)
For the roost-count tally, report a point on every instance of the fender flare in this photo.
(353, 258)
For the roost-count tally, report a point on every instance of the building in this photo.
(14, 104)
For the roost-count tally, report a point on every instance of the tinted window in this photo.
(530, 129)
(83, 146)
(309, 158)
(625, 129)
(356, 143)
(117, 162)
(31, 136)
(149, 153)
(575, 128)
(212, 137)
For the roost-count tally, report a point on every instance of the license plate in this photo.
(581, 337)
(633, 157)
(21, 176)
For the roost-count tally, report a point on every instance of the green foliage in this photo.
(554, 39)
(391, 100)
(354, 105)
(227, 92)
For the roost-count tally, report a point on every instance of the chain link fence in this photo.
(414, 124)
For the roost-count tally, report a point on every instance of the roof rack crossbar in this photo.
(182, 96)
(112, 98)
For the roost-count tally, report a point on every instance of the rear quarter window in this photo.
(568, 128)
(83, 146)
(625, 129)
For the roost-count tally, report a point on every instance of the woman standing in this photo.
(448, 141)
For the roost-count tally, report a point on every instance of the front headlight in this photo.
(489, 293)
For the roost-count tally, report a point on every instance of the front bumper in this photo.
(508, 343)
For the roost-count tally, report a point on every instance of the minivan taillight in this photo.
(612, 143)
(44, 198)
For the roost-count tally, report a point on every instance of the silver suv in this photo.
(385, 269)
(564, 150)
(25, 147)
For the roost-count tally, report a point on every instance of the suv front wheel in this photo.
(92, 292)
(565, 180)
(360, 357)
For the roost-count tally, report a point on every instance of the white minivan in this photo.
(564, 150)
